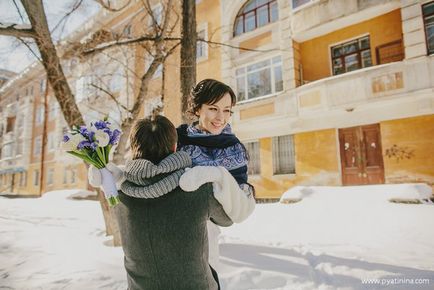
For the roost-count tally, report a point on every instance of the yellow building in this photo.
(329, 92)
(335, 93)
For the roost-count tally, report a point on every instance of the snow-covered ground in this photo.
(335, 238)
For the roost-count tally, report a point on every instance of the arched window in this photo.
(254, 14)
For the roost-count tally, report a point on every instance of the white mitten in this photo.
(95, 178)
(237, 204)
(193, 178)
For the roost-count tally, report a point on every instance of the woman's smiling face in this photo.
(213, 118)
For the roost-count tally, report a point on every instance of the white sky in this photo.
(13, 55)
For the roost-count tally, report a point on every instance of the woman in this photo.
(209, 142)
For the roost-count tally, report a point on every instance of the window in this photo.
(73, 175)
(254, 166)
(86, 86)
(254, 14)
(51, 141)
(259, 79)
(202, 47)
(50, 175)
(19, 148)
(298, 3)
(36, 178)
(428, 19)
(29, 91)
(283, 155)
(23, 179)
(39, 115)
(10, 124)
(7, 150)
(42, 86)
(351, 55)
(53, 110)
(37, 146)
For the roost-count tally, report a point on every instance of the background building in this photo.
(329, 92)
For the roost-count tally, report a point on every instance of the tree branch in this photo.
(109, 8)
(111, 96)
(17, 30)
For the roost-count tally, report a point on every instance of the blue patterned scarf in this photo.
(207, 149)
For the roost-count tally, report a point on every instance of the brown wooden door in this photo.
(361, 157)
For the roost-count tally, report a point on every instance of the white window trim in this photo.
(200, 27)
(303, 6)
(246, 64)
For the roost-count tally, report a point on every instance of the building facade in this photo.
(329, 92)
(334, 93)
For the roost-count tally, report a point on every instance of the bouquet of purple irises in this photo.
(93, 145)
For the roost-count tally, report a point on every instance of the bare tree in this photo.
(188, 52)
(157, 45)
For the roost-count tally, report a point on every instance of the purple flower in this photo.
(114, 137)
(65, 138)
(101, 125)
(87, 144)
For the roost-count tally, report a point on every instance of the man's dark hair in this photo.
(210, 91)
(153, 139)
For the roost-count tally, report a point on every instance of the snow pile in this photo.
(417, 191)
(335, 238)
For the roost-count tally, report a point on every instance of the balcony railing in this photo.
(391, 80)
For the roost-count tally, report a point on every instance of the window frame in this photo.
(276, 157)
(50, 176)
(359, 53)
(424, 26)
(202, 27)
(36, 177)
(51, 141)
(254, 165)
(37, 141)
(245, 74)
(242, 14)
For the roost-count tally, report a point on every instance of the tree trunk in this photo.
(188, 54)
(50, 60)
(60, 86)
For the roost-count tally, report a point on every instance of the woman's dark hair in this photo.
(210, 91)
(153, 138)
